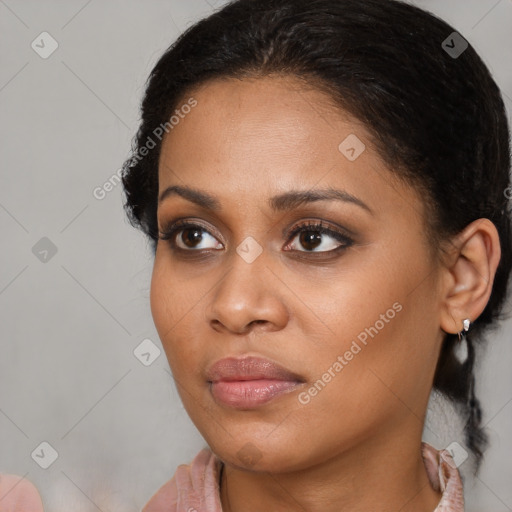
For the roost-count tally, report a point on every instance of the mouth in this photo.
(250, 382)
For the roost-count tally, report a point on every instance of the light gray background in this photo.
(68, 374)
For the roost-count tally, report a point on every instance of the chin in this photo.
(260, 454)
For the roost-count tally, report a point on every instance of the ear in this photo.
(469, 274)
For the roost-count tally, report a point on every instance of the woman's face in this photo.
(344, 324)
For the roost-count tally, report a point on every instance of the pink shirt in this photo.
(195, 486)
(18, 494)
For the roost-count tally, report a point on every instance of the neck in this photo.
(384, 474)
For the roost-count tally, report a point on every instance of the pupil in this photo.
(310, 237)
(192, 238)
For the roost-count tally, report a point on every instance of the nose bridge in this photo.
(244, 284)
(249, 252)
(247, 294)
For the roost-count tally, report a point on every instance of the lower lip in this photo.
(249, 394)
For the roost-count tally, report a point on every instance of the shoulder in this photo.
(193, 486)
(17, 494)
(444, 476)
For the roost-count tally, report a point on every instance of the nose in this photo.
(250, 296)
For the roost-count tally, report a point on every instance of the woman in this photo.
(325, 194)
(324, 184)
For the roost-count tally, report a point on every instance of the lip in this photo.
(249, 382)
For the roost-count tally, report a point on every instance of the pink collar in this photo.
(195, 486)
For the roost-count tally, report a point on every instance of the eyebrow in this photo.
(282, 202)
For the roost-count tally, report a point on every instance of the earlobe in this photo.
(470, 275)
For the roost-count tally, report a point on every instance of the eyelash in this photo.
(172, 228)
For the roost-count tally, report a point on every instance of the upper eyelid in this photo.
(305, 218)
(191, 220)
(185, 222)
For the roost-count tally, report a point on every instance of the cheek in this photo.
(168, 303)
(160, 298)
(379, 317)
(382, 367)
(175, 306)
(171, 296)
(358, 302)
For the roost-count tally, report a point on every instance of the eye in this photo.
(192, 237)
(312, 236)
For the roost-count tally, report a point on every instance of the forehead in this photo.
(277, 112)
(248, 139)
(255, 126)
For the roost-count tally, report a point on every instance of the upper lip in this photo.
(249, 368)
